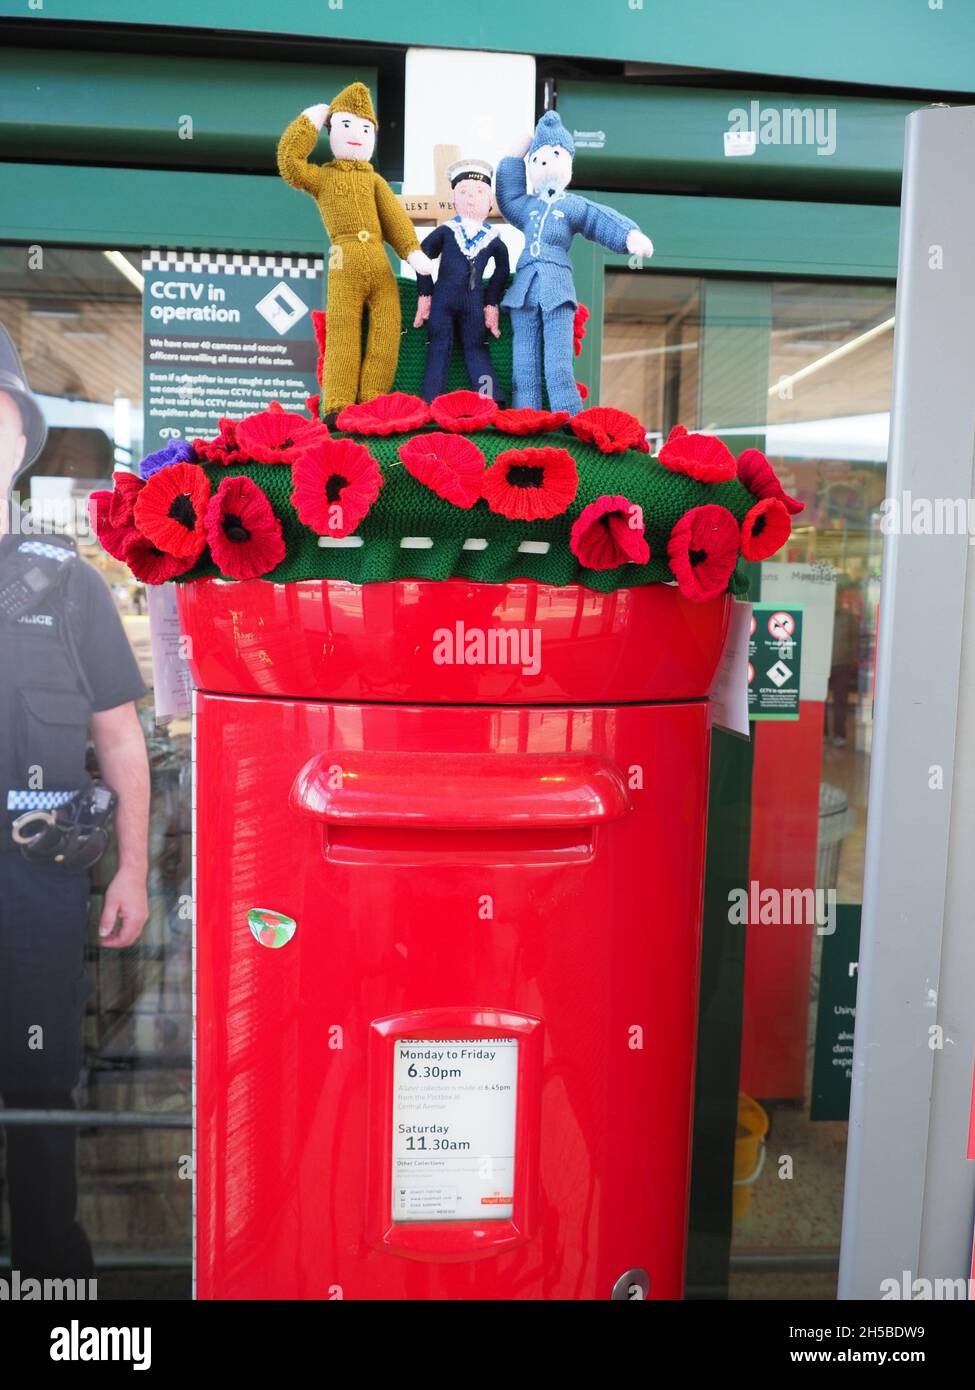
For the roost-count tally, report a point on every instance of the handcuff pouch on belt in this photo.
(70, 838)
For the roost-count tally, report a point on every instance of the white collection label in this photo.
(454, 1105)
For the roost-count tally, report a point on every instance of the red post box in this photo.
(448, 914)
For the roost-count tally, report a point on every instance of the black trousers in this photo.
(43, 987)
(452, 316)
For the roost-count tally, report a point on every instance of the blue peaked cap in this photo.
(551, 131)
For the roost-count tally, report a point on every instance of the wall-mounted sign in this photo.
(774, 660)
(454, 1106)
(224, 334)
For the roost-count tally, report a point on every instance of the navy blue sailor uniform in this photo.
(459, 298)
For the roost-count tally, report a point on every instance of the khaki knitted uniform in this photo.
(360, 212)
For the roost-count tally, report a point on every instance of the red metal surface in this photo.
(589, 953)
(476, 791)
(333, 640)
(784, 834)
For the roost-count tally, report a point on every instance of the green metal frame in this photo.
(157, 110)
(735, 344)
(642, 136)
(894, 43)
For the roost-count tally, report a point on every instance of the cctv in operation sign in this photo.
(224, 334)
(774, 661)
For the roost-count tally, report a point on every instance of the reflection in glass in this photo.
(825, 428)
(76, 319)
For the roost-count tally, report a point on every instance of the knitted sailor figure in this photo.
(460, 305)
(360, 212)
(542, 299)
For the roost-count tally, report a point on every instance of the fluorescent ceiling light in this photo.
(851, 346)
(125, 267)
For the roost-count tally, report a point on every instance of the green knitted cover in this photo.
(405, 507)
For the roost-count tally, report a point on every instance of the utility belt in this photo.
(68, 834)
(65, 830)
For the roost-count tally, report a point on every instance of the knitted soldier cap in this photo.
(469, 169)
(551, 131)
(357, 100)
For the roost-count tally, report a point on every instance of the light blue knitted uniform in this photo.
(542, 298)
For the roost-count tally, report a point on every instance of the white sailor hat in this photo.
(478, 169)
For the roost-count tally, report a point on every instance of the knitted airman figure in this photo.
(360, 213)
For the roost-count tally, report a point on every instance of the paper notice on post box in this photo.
(172, 685)
(454, 1105)
(729, 694)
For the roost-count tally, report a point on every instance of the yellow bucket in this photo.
(749, 1152)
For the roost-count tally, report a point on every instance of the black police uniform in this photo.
(45, 702)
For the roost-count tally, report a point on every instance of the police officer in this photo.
(64, 661)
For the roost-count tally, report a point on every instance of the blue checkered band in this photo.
(48, 552)
(38, 801)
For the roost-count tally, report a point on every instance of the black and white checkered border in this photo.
(234, 263)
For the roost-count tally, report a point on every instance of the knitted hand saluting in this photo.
(317, 114)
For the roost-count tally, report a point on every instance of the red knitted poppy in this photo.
(277, 436)
(757, 474)
(169, 509)
(152, 565)
(703, 550)
(579, 327)
(394, 413)
(531, 484)
(450, 465)
(335, 484)
(243, 532)
(612, 431)
(766, 528)
(528, 421)
(609, 533)
(114, 535)
(126, 491)
(583, 390)
(700, 456)
(318, 328)
(463, 411)
(223, 449)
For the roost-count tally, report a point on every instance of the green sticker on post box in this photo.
(270, 928)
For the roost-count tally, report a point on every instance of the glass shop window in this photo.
(76, 321)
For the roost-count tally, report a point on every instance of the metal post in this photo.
(910, 1190)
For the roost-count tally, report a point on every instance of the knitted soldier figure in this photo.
(542, 299)
(460, 304)
(360, 212)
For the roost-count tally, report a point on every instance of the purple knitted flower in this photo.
(176, 451)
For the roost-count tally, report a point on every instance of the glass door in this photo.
(802, 370)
